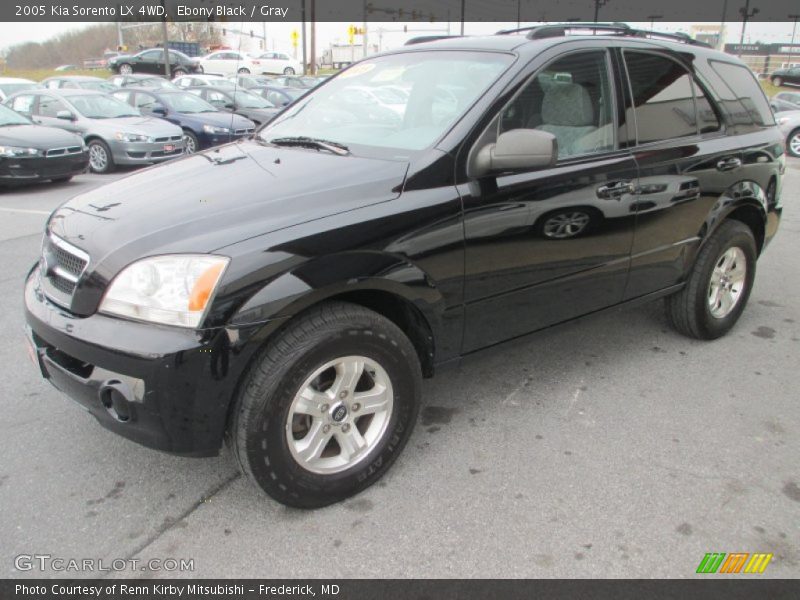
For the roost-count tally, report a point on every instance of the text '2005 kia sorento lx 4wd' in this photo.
(289, 292)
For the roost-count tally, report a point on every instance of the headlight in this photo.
(18, 152)
(213, 129)
(132, 137)
(174, 289)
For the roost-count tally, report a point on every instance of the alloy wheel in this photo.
(125, 70)
(794, 143)
(189, 146)
(566, 225)
(340, 414)
(727, 282)
(98, 158)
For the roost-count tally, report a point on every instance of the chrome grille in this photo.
(244, 131)
(173, 138)
(62, 267)
(53, 152)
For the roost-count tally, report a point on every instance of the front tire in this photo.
(777, 81)
(327, 407)
(244, 71)
(288, 71)
(100, 158)
(718, 286)
(793, 143)
(179, 73)
(190, 142)
(125, 69)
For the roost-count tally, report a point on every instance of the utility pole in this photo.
(723, 19)
(598, 4)
(746, 14)
(121, 42)
(519, 12)
(303, 32)
(463, 9)
(794, 30)
(313, 37)
(264, 34)
(167, 70)
(652, 19)
(364, 38)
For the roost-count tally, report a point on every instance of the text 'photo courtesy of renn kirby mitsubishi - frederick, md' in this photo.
(447, 299)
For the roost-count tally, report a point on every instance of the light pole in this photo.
(794, 30)
(652, 19)
(746, 14)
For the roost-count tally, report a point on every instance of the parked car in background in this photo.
(141, 80)
(278, 96)
(188, 81)
(62, 68)
(152, 61)
(78, 82)
(789, 124)
(785, 101)
(12, 85)
(230, 62)
(116, 133)
(278, 62)
(30, 152)
(241, 102)
(790, 76)
(203, 125)
(303, 82)
(251, 81)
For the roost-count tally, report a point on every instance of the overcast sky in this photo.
(327, 33)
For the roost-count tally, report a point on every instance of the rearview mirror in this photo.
(517, 150)
(66, 115)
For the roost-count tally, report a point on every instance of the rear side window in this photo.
(667, 102)
(741, 81)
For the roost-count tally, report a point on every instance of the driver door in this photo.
(551, 244)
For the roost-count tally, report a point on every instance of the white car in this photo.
(229, 62)
(12, 85)
(277, 62)
(189, 81)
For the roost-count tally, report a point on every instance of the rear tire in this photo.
(288, 71)
(777, 81)
(125, 69)
(706, 308)
(179, 73)
(244, 71)
(289, 431)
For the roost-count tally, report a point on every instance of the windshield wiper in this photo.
(309, 142)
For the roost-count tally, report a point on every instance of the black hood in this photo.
(216, 198)
(36, 136)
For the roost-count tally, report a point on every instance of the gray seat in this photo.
(568, 114)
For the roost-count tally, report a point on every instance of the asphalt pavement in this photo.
(610, 447)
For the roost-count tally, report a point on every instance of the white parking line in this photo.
(27, 211)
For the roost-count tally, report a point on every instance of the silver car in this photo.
(789, 124)
(116, 133)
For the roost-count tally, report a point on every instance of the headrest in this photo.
(567, 104)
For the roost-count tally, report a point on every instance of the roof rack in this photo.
(538, 32)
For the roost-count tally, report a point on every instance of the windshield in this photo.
(354, 109)
(9, 117)
(187, 103)
(12, 88)
(248, 100)
(102, 107)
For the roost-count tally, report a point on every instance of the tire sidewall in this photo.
(266, 445)
(109, 157)
(734, 236)
(789, 150)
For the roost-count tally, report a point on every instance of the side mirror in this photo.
(517, 150)
(159, 110)
(66, 115)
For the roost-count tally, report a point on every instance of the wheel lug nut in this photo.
(355, 407)
(345, 428)
(343, 394)
(324, 407)
(326, 429)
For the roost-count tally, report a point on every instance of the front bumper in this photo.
(141, 153)
(33, 169)
(164, 387)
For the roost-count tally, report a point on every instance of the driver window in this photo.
(570, 98)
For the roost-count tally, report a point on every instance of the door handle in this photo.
(615, 190)
(728, 164)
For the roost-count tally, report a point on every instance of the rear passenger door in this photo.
(686, 163)
(552, 244)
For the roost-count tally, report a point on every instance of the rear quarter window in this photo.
(744, 86)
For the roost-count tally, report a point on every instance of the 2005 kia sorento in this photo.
(289, 292)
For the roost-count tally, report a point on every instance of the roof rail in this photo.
(622, 29)
(428, 38)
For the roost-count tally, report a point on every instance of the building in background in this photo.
(763, 59)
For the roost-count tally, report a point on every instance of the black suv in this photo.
(289, 292)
